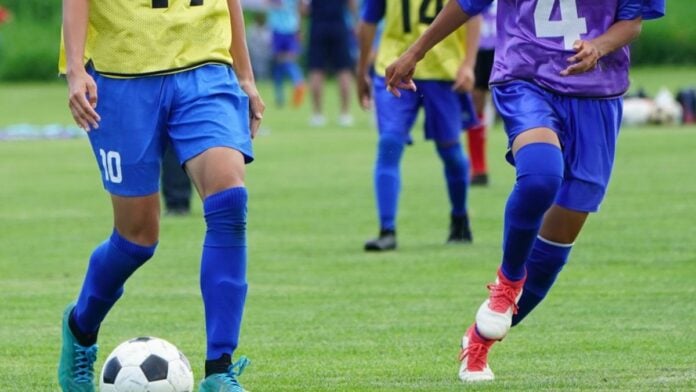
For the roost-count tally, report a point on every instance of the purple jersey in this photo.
(488, 27)
(535, 39)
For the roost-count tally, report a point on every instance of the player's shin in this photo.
(223, 270)
(543, 266)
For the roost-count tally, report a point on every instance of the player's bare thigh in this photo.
(535, 135)
(215, 170)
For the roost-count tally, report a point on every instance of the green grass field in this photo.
(322, 315)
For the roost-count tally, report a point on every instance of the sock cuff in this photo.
(543, 159)
(228, 198)
(556, 244)
(136, 251)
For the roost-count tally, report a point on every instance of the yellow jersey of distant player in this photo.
(130, 38)
(404, 22)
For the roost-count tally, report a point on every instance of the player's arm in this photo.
(242, 66)
(82, 90)
(400, 73)
(589, 52)
(372, 12)
(465, 75)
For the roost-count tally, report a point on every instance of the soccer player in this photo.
(447, 70)
(329, 49)
(284, 19)
(558, 77)
(140, 74)
(476, 135)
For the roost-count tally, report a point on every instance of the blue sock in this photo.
(278, 75)
(110, 265)
(545, 262)
(457, 176)
(223, 269)
(539, 176)
(387, 179)
(294, 72)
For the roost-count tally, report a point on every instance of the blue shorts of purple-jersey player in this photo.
(194, 110)
(579, 124)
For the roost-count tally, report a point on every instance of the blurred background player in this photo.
(284, 21)
(477, 134)
(558, 82)
(447, 71)
(176, 185)
(329, 50)
(188, 94)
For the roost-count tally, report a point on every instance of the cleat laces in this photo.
(502, 297)
(84, 363)
(235, 370)
(476, 356)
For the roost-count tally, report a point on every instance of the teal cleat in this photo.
(76, 366)
(226, 382)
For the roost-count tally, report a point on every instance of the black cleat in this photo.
(479, 179)
(460, 233)
(385, 241)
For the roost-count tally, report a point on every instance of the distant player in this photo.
(284, 19)
(560, 71)
(329, 50)
(141, 74)
(447, 70)
(477, 134)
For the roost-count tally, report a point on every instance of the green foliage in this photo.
(669, 40)
(29, 43)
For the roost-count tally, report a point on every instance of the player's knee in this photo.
(225, 217)
(138, 253)
(539, 173)
(389, 149)
(453, 156)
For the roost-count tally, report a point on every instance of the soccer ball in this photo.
(146, 364)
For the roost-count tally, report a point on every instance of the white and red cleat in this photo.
(474, 357)
(494, 316)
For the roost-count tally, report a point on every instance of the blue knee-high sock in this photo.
(223, 269)
(457, 176)
(543, 266)
(387, 178)
(110, 265)
(278, 74)
(539, 176)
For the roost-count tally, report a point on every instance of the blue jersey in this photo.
(283, 16)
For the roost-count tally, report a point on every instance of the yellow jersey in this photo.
(130, 38)
(404, 22)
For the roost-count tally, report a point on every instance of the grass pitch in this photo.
(322, 315)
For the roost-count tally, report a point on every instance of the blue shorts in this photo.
(285, 43)
(196, 110)
(443, 110)
(586, 127)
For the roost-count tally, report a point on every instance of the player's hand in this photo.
(585, 58)
(82, 99)
(364, 90)
(399, 75)
(465, 79)
(256, 107)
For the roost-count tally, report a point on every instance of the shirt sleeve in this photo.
(474, 7)
(372, 11)
(653, 9)
(646, 9)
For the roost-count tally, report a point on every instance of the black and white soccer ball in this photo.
(146, 364)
